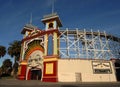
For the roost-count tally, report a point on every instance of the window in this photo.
(50, 45)
(51, 25)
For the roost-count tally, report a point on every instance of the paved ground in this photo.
(35, 83)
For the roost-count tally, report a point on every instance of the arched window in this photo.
(51, 25)
(50, 45)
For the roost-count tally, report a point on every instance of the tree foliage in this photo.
(6, 67)
(14, 51)
(2, 51)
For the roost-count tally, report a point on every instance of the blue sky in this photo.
(89, 14)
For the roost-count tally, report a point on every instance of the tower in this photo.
(51, 45)
(52, 24)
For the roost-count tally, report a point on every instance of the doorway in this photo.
(36, 74)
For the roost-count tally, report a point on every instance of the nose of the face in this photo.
(33, 64)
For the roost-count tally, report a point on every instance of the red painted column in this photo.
(22, 72)
(50, 73)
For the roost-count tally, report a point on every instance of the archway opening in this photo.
(36, 74)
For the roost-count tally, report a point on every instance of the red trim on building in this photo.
(50, 77)
(54, 68)
(29, 75)
(51, 31)
(23, 72)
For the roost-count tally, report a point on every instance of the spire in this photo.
(31, 18)
(52, 6)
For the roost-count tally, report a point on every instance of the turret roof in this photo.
(28, 27)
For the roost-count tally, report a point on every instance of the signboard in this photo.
(101, 67)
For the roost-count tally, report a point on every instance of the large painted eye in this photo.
(40, 59)
(30, 60)
(36, 60)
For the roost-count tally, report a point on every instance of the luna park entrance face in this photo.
(35, 65)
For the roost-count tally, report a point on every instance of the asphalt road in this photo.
(36, 83)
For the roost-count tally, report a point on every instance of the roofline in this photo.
(51, 17)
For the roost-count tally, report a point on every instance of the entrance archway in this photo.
(35, 66)
(36, 74)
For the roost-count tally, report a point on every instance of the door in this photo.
(36, 74)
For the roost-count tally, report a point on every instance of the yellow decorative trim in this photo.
(51, 59)
(45, 44)
(55, 43)
(49, 68)
(19, 70)
(23, 63)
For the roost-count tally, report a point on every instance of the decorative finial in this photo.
(31, 18)
(52, 6)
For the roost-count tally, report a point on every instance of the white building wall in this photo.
(76, 70)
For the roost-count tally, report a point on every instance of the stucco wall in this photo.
(76, 70)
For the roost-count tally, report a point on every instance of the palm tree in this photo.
(14, 51)
(2, 51)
